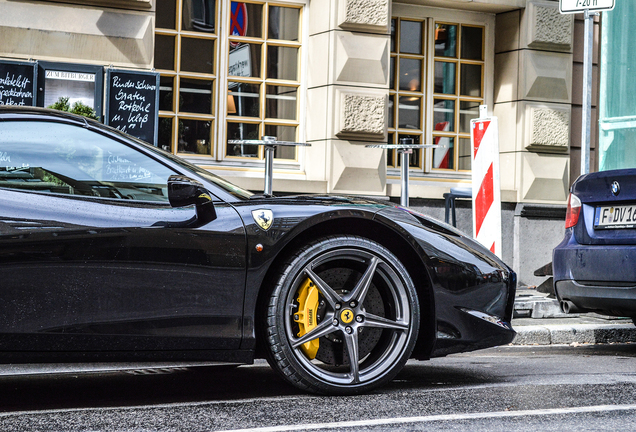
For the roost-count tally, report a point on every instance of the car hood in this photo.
(370, 204)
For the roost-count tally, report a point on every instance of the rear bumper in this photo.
(596, 277)
(601, 296)
(599, 263)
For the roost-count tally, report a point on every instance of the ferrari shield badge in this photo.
(263, 218)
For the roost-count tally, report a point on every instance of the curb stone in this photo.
(574, 333)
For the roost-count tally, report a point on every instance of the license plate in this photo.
(615, 217)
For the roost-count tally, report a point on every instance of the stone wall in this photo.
(79, 34)
(347, 96)
(533, 100)
(533, 97)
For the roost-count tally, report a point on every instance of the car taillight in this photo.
(573, 212)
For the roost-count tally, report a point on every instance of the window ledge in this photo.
(144, 5)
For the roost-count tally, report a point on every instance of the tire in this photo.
(366, 308)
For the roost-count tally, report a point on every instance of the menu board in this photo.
(17, 83)
(132, 103)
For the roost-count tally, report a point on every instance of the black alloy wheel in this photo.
(343, 317)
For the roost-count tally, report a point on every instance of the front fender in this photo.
(472, 288)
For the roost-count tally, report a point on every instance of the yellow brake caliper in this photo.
(308, 297)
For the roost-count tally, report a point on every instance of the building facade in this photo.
(338, 74)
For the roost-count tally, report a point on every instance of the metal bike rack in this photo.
(270, 143)
(405, 148)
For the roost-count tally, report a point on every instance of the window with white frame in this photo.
(458, 92)
(456, 62)
(407, 87)
(257, 93)
(263, 77)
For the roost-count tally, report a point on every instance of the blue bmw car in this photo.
(595, 264)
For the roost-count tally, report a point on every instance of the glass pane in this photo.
(410, 37)
(618, 55)
(164, 52)
(242, 131)
(282, 63)
(444, 114)
(620, 152)
(410, 74)
(390, 154)
(464, 154)
(414, 158)
(61, 158)
(165, 134)
(166, 14)
(245, 60)
(240, 25)
(195, 96)
(197, 55)
(445, 73)
(467, 112)
(56, 88)
(393, 23)
(194, 136)
(618, 86)
(283, 23)
(409, 112)
(283, 133)
(281, 102)
(243, 99)
(391, 111)
(443, 156)
(392, 73)
(199, 15)
(166, 88)
(470, 83)
(445, 40)
(472, 43)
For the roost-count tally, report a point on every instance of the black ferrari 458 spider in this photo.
(113, 250)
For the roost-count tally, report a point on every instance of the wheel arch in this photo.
(380, 233)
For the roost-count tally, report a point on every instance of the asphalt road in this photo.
(512, 388)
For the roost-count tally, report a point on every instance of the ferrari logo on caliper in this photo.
(264, 218)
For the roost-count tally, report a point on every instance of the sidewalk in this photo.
(538, 320)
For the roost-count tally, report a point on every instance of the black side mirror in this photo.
(184, 191)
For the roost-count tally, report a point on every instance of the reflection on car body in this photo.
(113, 250)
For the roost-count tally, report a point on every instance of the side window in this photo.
(67, 159)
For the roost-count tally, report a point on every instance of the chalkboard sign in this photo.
(132, 103)
(17, 83)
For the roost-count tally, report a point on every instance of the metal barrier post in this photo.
(270, 143)
(269, 163)
(405, 149)
(405, 153)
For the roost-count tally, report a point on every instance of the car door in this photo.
(94, 258)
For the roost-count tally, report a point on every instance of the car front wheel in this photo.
(343, 317)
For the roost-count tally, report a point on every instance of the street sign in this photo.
(578, 6)
(238, 21)
(240, 63)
